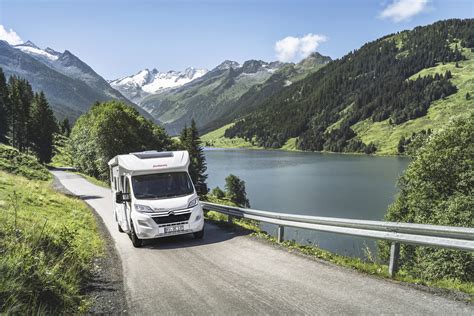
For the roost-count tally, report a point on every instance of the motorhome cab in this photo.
(154, 195)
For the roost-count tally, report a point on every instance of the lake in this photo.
(334, 185)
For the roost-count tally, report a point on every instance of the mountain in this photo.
(147, 82)
(214, 96)
(369, 99)
(70, 85)
(285, 76)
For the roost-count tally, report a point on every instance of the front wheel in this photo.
(199, 234)
(136, 242)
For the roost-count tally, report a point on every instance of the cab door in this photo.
(127, 207)
(121, 209)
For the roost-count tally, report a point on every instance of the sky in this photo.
(118, 38)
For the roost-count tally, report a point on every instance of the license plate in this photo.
(174, 229)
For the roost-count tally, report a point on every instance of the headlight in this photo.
(143, 208)
(193, 202)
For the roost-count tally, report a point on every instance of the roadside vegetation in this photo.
(47, 241)
(438, 188)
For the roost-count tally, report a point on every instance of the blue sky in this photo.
(119, 38)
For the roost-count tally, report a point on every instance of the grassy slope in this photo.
(47, 240)
(387, 136)
(216, 139)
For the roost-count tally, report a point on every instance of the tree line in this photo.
(369, 83)
(27, 121)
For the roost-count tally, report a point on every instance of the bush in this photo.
(13, 161)
(109, 129)
(218, 193)
(235, 191)
(438, 188)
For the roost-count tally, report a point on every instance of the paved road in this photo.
(230, 273)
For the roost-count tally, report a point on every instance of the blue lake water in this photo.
(335, 185)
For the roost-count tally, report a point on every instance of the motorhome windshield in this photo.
(162, 185)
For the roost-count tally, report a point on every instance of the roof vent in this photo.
(152, 154)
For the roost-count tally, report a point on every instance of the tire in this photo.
(119, 228)
(136, 242)
(199, 234)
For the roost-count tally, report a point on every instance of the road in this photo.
(231, 273)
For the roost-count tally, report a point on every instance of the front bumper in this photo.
(152, 226)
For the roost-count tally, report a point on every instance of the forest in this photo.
(369, 83)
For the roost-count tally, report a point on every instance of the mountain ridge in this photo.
(70, 85)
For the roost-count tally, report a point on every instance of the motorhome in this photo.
(154, 196)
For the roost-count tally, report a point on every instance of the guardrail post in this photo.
(229, 219)
(281, 233)
(394, 255)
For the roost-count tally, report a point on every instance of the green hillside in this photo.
(367, 100)
(386, 136)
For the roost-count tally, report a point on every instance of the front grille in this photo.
(172, 218)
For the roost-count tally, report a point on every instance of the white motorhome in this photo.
(154, 195)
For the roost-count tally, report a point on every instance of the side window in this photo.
(115, 183)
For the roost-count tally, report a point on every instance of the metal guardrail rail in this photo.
(461, 238)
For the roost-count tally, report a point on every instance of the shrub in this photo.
(438, 188)
(109, 129)
(13, 161)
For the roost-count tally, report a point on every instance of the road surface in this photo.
(231, 273)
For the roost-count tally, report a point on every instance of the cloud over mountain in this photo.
(9, 36)
(291, 48)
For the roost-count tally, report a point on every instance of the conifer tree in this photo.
(4, 108)
(191, 142)
(65, 127)
(43, 126)
(21, 96)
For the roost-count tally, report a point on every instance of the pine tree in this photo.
(21, 96)
(4, 108)
(191, 142)
(43, 126)
(65, 127)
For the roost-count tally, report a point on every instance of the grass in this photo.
(217, 139)
(386, 136)
(47, 245)
(12, 161)
(368, 266)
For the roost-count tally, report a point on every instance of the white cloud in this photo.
(10, 36)
(401, 10)
(290, 47)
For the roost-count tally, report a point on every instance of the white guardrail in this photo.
(461, 238)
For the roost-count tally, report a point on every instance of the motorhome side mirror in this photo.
(119, 197)
(126, 197)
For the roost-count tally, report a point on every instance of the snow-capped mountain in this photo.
(148, 82)
(70, 85)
